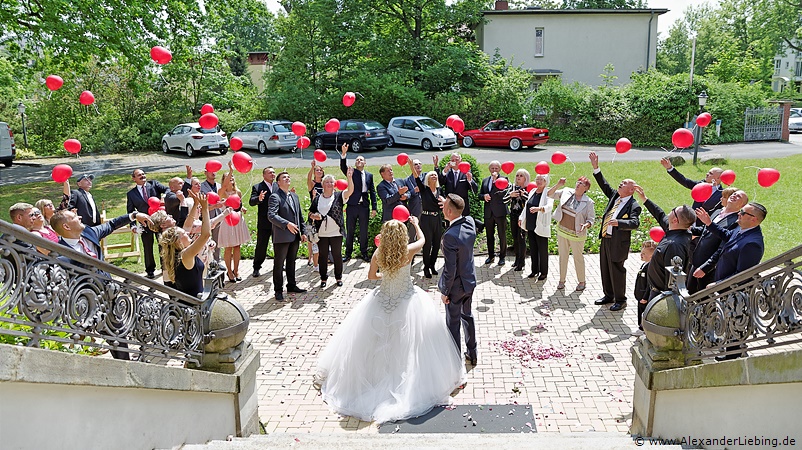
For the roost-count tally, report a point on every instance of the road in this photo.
(99, 164)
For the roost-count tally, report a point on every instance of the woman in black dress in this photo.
(431, 219)
(314, 183)
(182, 265)
(516, 196)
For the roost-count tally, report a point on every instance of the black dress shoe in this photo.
(518, 269)
(339, 283)
(279, 296)
(256, 273)
(603, 301)
(150, 276)
(501, 262)
(346, 259)
(426, 273)
(295, 290)
(434, 272)
(541, 278)
(468, 357)
(366, 258)
(238, 279)
(618, 306)
(490, 259)
(531, 275)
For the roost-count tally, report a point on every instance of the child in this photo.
(641, 285)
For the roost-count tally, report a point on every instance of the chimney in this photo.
(502, 5)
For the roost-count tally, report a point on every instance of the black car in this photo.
(358, 133)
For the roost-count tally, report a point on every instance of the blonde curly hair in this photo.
(170, 252)
(392, 253)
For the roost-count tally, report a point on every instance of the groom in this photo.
(459, 276)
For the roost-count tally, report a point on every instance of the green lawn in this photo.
(109, 191)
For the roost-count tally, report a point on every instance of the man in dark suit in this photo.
(414, 203)
(284, 212)
(458, 280)
(621, 216)
(260, 195)
(495, 214)
(456, 182)
(138, 201)
(79, 237)
(357, 205)
(173, 199)
(392, 192)
(713, 176)
(703, 266)
(83, 202)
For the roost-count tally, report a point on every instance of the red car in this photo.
(496, 134)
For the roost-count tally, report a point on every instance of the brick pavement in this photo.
(590, 389)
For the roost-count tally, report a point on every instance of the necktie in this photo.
(144, 193)
(456, 178)
(87, 250)
(609, 216)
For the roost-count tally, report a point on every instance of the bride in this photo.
(392, 358)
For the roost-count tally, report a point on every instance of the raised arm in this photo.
(343, 164)
(189, 254)
(415, 247)
(310, 177)
(350, 190)
(553, 191)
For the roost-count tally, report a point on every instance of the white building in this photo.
(787, 71)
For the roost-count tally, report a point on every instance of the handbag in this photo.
(311, 233)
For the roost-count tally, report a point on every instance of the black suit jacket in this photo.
(99, 232)
(135, 200)
(459, 271)
(262, 218)
(172, 206)
(708, 243)
(496, 207)
(358, 194)
(461, 186)
(739, 252)
(414, 203)
(281, 213)
(80, 202)
(628, 220)
(710, 204)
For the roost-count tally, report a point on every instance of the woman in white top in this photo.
(536, 220)
(574, 216)
(326, 213)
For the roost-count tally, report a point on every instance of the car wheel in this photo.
(356, 146)
(165, 147)
(426, 144)
(319, 142)
(262, 147)
(190, 151)
(467, 141)
(515, 144)
(391, 142)
(223, 151)
(8, 163)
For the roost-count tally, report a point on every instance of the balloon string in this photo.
(49, 94)
(96, 110)
(572, 163)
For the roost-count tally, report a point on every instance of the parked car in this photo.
(8, 150)
(498, 134)
(795, 122)
(264, 135)
(420, 131)
(358, 133)
(796, 110)
(191, 138)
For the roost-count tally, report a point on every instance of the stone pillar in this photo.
(786, 106)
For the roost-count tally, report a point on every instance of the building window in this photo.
(777, 64)
(538, 41)
(798, 70)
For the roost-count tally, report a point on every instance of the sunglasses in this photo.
(35, 214)
(742, 212)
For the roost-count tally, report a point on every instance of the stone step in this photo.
(431, 441)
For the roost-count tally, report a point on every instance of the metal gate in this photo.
(763, 124)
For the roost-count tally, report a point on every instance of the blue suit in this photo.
(390, 197)
(458, 280)
(740, 251)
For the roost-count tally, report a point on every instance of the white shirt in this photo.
(328, 228)
(614, 214)
(722, 215)
(92, 204)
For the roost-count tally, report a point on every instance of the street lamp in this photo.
(21, 109)
(699, 130)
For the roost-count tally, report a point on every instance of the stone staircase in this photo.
(432, 441)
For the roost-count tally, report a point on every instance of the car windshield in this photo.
(371, 125)
(795, 114)
(282, 127)
(429, 124)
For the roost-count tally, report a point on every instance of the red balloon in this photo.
(402, 159)
(450, 120)
(728, 177)
(298, 129)
(682, 138)
(320, 155)
(236, 143)
(213, 198)
(531, 186)
(341, 184)
(464, 167)
(233, 218)
(54, 82)
(154, 202)
(558, 157)
(507, 167)
(61, 173)
(152, 210)
(702, 191)
(208, 121)
(213, 165)
(623, 145)
(332, 125)
(704, 119)
(657, 234)
(348, 99)
(377, 240)
(242, 162)
(303, 142)
(542, 168)
(207, 109)
(73, 146)
(401, 213)
(767, 176)
(233, 201)
(458, 125)
(86, 98)
(160, 54)
(502, 183)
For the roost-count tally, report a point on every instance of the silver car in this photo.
(420, 131)
(264, 135)
(191, 138)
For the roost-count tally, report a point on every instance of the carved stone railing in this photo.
(758, 308)
(46, 298)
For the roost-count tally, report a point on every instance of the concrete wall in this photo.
(57, 400)
(579, 45)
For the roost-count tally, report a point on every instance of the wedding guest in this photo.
(712, 176)
(260, 193)
(431, 222)
(455, 182)
(231, 237)
(495, 213)
(83, 202)
(535, 218)
(180, 254)
(284, 212)
(138, 201)
(326, 213)
(574, 217)
(314, 184)
(642, 290)
(47, 208)
(41, 228)
(517, 197)
(358, 208)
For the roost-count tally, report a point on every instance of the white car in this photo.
(795, 122)
(8, 150)
(420, 131)
(191, 138)
(264, 135)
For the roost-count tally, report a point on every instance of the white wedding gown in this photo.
(392, 358)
